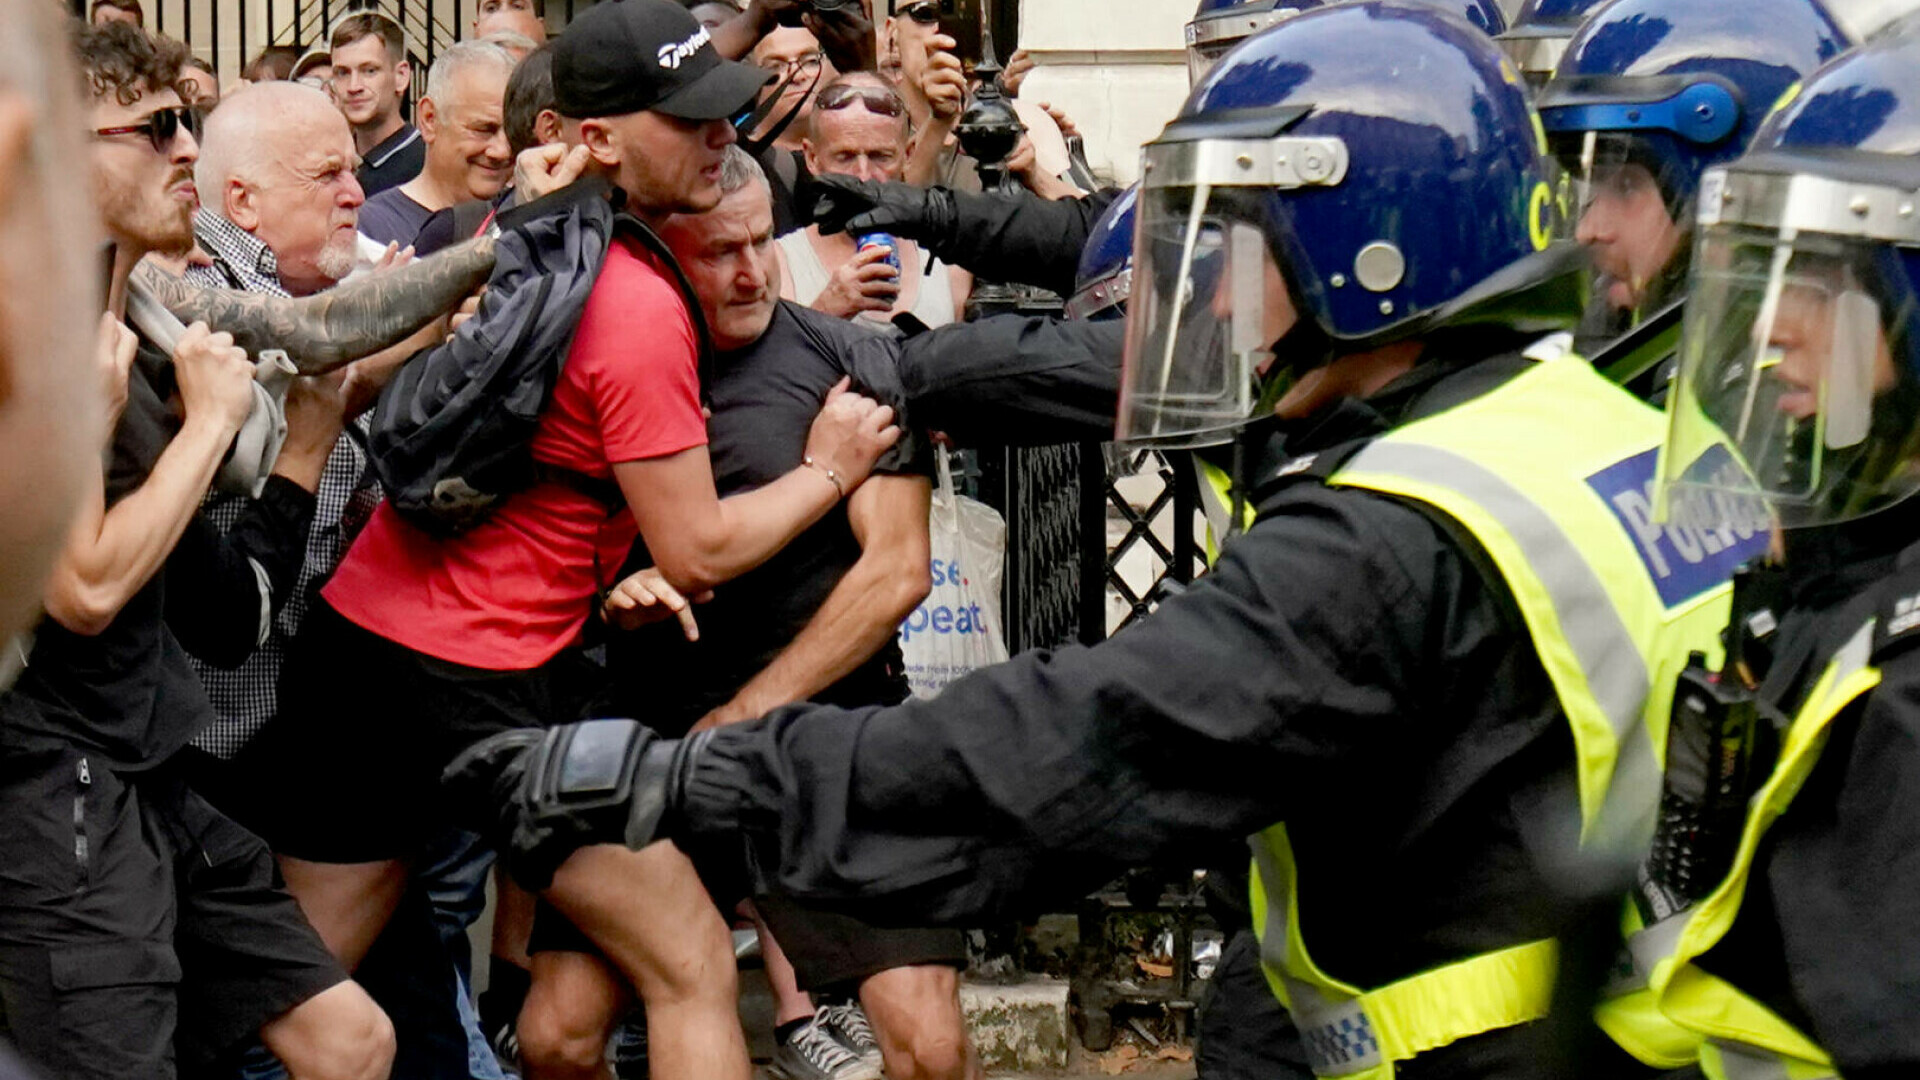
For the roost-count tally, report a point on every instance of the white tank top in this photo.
(933, 306)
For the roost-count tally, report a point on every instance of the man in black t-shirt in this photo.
(137, 923)
(816, 621)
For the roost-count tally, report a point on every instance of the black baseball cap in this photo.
(625, 56)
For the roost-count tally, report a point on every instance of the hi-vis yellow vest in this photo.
(1745, 1040)
(1552, 473)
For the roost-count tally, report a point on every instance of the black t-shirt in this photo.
(127, 692)
(764, 400)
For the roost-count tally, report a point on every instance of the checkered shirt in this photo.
(245, 698)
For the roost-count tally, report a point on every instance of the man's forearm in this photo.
(858, 618)
(112, 554)
(923, 165)
(341, 325)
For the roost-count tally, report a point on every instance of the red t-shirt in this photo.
(517, 589)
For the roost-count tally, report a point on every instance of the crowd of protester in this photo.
(219, 756)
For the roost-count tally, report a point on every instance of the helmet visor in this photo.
(1207, 304)
(1536, 57)
(1617, 198)
(1786, 366)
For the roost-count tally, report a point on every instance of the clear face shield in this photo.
(1535, 57)
(1788, 392)
(1617, 201)
(1197, 340)
(1213, 37)
(1208, 298)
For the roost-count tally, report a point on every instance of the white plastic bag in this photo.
(956, 629)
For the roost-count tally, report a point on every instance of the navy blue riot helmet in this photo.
(1800, 356)
(1538, 35)
(1648, 95)
(1357, 175)
(1219, 25)
(1106, 263)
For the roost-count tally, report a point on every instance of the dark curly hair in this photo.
(123, 60)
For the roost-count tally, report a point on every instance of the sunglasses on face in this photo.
(160, 127)
(926, 13)
(884, 102)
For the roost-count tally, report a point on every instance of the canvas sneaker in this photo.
(813, 1053)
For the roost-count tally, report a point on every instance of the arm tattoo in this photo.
(336, 327)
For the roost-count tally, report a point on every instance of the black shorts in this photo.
(136, 919)
(349, 771)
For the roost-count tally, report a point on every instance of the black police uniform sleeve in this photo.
(214, 598)
(1015, 380)
(1321, 638)
(1844, 876)
(1021, 238)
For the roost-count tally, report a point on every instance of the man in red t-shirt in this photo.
(421, 645)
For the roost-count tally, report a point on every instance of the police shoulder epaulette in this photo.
(1897, 621)
(1316, 467)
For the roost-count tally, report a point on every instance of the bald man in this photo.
(279, 205)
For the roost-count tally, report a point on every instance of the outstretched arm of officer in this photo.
(1019, 238)
(1014, 380)
(1257, 692)
(336, 327)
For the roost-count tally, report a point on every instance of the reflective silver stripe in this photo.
(1746, 1063)
(1615, 671)
(1336, 1031)
(1656, 943)
(1853, 656)
(1218, 512)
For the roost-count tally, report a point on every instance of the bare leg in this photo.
(790, 1002)
(512, 920)
(348, 903)
(338, 1034)
(651, 916)
(570, 1012)
(916, 1018)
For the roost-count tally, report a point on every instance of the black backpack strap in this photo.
(703, 336)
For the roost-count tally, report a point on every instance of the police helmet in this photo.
(1800, 356)
(1359, 174)
(1538, 34)
(1106, 263)
(1219, 25)
(1648, 95)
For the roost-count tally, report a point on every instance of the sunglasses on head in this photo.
(884, 102)
(160, 127)
(926, 12)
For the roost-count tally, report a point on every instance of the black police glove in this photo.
(844, 204)
(541, 795)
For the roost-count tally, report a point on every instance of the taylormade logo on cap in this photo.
(672, 56)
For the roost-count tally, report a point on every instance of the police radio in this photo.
(1719, 748)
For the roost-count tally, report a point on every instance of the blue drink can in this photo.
(883, 241)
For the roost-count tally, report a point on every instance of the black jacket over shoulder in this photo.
(1352, 665)
(1828, 934)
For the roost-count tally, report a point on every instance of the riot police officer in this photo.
(1431, 676)
(1800, 386)
(1648, 95)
